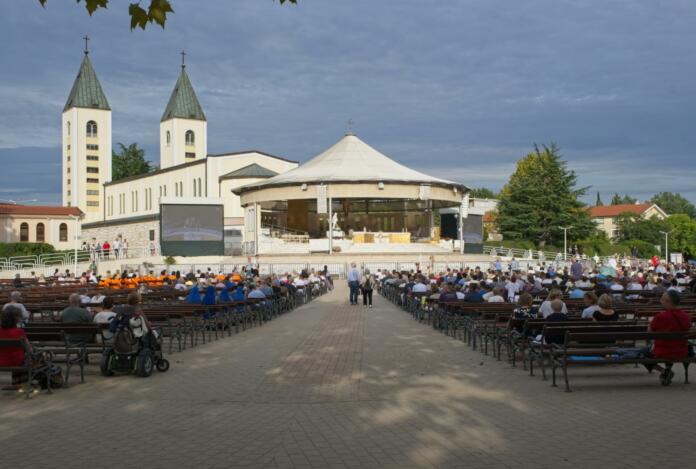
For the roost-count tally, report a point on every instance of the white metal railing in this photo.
(529, 254)
(66, 259)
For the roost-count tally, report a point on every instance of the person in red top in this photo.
(672, 319)
(12, 356)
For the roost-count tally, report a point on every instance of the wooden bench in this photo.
(584, 348)
(59, 340)
(29, 368)
(540, 351)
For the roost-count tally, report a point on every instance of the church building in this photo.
(130, 208)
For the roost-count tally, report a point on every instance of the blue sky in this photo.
(458, 89)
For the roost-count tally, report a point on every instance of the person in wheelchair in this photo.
(136, 345)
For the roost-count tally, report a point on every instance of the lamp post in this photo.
(565, 241)
(666, 233)
(76, 238)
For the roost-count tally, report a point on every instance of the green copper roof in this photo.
(183, 102)
(86, 91)
(251, 171)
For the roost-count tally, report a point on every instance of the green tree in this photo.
(682, 236)
(622, 200)
(674, 203)
(599, 202)
(155, 12)
(130, 161)
(483, 193)
(541, 197)
(632, 226)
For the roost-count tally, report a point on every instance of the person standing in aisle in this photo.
(366, 285)
(353, 283)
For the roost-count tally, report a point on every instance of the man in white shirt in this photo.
(105, 316)
(513, 289)
(497, 296)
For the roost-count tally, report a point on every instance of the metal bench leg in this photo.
(565, 376)
(686, 373)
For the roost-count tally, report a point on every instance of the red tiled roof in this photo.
(48, 210)
(615, 210)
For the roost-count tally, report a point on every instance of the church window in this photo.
(190, 137)
(24, 232)
(68, 128)
(190, 154)
(169, 138)
(91, 169)
(92, 192)
(63, 232)
(93, 180)
(91, 146)
(92, 158)
(91, 203)
(91, 129)
(40, 233)
(200, 188)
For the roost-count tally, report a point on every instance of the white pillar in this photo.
(330, 226)
(257, 218)
(461, 229)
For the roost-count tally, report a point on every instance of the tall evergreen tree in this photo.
(130, 161)
(598, 203)
(540, 198)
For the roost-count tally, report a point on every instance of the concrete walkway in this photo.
(330, 385)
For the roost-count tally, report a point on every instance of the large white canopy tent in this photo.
(351, 174)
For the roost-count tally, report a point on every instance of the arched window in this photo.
(190, 137)
(68, 129)
(24, 232)
(169, 138)
(200, 188)
(40, 233)
(91, 129)
(63, 232)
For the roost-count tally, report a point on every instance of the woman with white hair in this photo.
(367, 283)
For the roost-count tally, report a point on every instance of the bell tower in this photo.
(183, 127)
(86, 138)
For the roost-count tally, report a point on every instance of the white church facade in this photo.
(130, 208)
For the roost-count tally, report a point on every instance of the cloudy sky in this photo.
(457, 88)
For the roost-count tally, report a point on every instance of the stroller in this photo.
(134, 348)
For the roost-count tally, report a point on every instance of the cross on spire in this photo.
(183, 59)
(350, 126)
(86, 38)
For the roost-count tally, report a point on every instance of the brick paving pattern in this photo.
(330, 385)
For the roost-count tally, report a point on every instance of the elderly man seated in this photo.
(75, 313)
(16, 301)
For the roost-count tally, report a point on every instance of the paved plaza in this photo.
(330, 385)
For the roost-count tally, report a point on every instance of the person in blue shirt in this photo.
(225, 295)
(194, 295)
(210, 298)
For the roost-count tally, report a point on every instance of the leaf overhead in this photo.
(156, 12)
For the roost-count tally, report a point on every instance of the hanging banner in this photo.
(322, 206)
(465, 206)
(424, 193)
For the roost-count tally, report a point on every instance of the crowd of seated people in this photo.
(498, 285)
(599, 288)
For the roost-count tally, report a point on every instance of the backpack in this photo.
(368, 284)
(54, 373)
